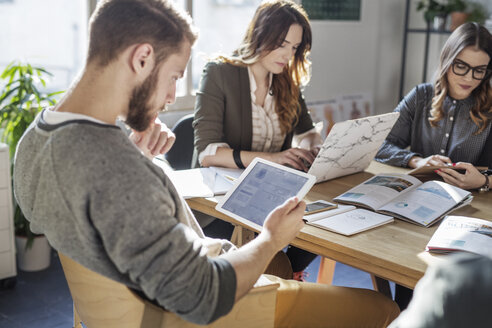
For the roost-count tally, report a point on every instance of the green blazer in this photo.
(223, 110)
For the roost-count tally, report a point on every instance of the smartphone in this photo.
(319, 206)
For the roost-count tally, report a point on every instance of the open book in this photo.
(347, 220)
(462, 233)
(407, 198)
(200, 182)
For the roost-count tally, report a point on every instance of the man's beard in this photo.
(139, 111)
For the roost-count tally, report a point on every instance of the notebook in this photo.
(351, 146)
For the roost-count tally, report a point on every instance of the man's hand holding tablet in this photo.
(266, 198)
(284, 222)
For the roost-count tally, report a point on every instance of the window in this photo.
(48, 33)
(53, 34)
(221, 25)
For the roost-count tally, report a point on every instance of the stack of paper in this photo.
(462, 233)
(200, 182)
(347, 220)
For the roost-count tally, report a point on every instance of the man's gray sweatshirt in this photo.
(99, 201)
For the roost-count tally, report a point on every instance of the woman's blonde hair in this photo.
(477, 36)
(265, 33)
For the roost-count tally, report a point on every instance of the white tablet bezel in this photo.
(311, 179)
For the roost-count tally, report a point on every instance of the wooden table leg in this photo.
(326, 271)
(381, 285)
(241, 236)
(77, 323)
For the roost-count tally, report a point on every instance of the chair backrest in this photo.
(180, 155)
(102, 302)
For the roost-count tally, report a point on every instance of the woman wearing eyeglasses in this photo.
(449, 122)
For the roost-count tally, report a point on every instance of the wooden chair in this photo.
(101, 302)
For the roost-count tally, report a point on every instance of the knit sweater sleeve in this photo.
(135, 210)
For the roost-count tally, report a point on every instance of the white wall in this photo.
(356, 57)
(416, 48)
(363, 56)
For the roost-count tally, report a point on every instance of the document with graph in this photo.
(347, 220)
(407, 198)
(462, 234)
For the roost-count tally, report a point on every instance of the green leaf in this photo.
(6, 95)
(56, 93)
(29, 69)
(20, 101)
(40, 69)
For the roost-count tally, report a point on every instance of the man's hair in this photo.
(117, 24)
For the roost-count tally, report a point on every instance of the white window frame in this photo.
(186, 101)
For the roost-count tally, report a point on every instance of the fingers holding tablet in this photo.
(285, 221)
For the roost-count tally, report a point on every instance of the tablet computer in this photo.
(262, 187)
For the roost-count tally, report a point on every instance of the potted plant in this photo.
(435, 12)
(477, 12)
(20, 101)
(458, 13)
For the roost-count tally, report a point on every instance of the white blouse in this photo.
(267, 136)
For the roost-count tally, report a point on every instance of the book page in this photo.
(427, 202)
(352, 222)
(325, 214)
(461, 233)
(200, 182)
(379, 190)
(193, 183)
(224, 178)
(227, 173)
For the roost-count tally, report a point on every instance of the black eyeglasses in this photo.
(478, 72)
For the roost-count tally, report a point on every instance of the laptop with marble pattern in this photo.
(351, 146)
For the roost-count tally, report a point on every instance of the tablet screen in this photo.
(263, 189)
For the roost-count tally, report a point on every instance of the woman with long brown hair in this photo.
(449, 122)
(250, 104)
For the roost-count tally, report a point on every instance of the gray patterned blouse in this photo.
(412, 135)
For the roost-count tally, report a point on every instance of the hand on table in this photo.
(315, 150)
(433, 160)
(471, 179)
(297, 158)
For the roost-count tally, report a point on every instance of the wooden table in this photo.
(390, 251)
